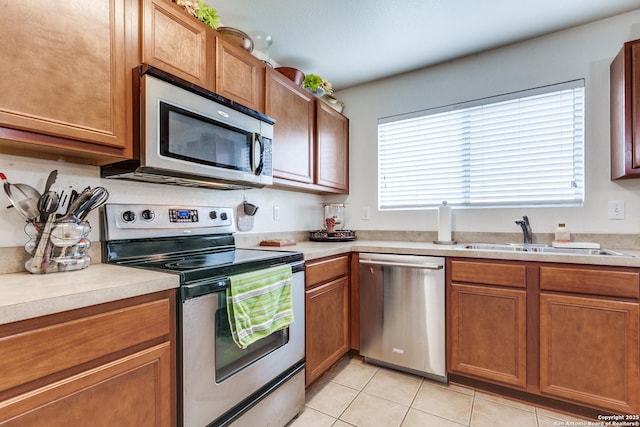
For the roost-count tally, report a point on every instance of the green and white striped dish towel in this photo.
(259, 303)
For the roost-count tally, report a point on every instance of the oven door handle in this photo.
(220, 284)
(204, 287)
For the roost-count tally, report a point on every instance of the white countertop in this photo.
(26, 295)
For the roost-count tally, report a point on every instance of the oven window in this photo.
(229, 357)
(188, 136)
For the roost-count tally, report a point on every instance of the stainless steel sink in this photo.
(538, 248)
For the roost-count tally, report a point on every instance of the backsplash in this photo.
(609, 241)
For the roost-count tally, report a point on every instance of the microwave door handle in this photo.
(257, 163)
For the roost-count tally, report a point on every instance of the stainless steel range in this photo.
(219, 382)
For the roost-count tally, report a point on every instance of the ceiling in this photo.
(356, 41)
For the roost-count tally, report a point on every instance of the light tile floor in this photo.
(355, 393)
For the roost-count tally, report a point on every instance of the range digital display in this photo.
(183, 215)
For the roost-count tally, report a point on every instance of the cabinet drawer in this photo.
(624, 284)
(43, 351)
(131, 391)
(489, 273)
(326, 269)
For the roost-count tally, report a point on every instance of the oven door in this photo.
(217, 375)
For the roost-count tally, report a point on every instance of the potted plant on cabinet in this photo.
(201, 10)
(317, 85)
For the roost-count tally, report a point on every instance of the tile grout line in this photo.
(412, 401)
(473, 406)
(357, 394)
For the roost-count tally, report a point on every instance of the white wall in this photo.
(581, 52)
(298, 211)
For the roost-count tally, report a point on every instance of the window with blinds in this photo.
(514, 150)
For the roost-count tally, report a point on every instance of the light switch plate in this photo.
(366, 212)
(616, 209)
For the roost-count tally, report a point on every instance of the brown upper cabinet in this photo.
(181, 45)
(239, 75)
(66, 86)
(625, 104)
(332, 149)
(311, 139)
(177, 43)
(69, 94)
(294, 140)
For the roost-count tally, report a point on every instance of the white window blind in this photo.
(520, 149)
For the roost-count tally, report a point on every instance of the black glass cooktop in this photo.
(195, 257)
(192, 267)
(212, 260)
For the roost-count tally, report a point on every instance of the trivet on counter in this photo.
(332, 236)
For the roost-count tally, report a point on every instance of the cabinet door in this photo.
(51, 349)
(487, 333)
(65, 74)
(589, 351)
(332, 149)
(327, 326)
(624, 102)
(177, 43)
(133, 391)
(293, 141)
(239, 76)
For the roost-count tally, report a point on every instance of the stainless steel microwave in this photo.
(191, 136)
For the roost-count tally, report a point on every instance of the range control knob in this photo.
(213, 214)
(148, 214)
(128, 216)
(223, 216)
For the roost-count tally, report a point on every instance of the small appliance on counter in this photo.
(333, 225)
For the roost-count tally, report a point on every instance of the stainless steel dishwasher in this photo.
(402, 317)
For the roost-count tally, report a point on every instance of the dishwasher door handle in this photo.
(423, 266)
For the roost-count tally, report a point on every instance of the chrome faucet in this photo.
(526, 229)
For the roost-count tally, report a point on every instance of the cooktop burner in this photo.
(201, 261)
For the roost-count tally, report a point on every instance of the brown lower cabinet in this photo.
(566, 332)
(327, 314)
(491, 333)
(112, 364)
(589, 336)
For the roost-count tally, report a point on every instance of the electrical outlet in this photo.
(276, 213)
(616, 209)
